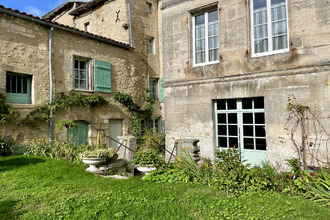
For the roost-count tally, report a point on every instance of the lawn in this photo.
(42, 188)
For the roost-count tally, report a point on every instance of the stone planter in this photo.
(145, 169)
(92, 162)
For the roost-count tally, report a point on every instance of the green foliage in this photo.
(5, 146)
(152, 140)
(7, 112)
(127, 101)
(136, 124)
(189, 165)
(148, 156)
(97, 153)
(320, 189)
(170, 173)
(41, 188)
(18, 149)
(64, 101)
(55, 149)
(66, 124)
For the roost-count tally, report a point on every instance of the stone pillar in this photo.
(190, 146)
(130, 142)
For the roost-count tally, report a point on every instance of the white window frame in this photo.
(206, 39)
(88, 73)
(269, 31)
(240, 132)
(150, 45)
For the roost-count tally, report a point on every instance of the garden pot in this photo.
(145, 169)
(92, 162)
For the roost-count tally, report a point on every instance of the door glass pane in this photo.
(233, 142)
(247, 103)
(231, 103)
(222, 130)
(222, 118)
(248, 143)
(232, 130)
(259, 103)
(221, 105)
(260, 131)
(222, 142)
(261, 144)
(247, 118)
(232, 118)
(259, 118)
(248, 130)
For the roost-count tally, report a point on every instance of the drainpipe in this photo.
(130, 23)
(50, 84)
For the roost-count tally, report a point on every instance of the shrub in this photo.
(18, 149)
(5, 146)
(148, 156)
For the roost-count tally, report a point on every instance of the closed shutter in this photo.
(161, 90)
(102, 76)
(78, 135)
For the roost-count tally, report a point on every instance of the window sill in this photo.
(206, 64)
(270, 53)
(22, 106)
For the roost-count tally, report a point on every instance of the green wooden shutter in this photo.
(79, 134)
(102, 76)
(161, 90)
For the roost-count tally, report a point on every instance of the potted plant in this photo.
(66, 123)
(147, 160)
(96, 156)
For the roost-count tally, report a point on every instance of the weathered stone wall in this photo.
(25, 50)
(190, 91)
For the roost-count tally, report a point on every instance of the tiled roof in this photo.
(56, 25)
(67, 5)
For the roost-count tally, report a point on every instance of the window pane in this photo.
(200, 20)
(19, 84)
(222, 130)
(200, 45)
(274, 2)
(214, 55)
(76, 64)
(260, 131)
(261, 144)
(13, 84)
(76, 83)
(213, 16)
(280, 42)
(200, 57)
(249, 143)
(200, 32)
(279, 28)
(222, 142)
(248, 130)
(247, 103)
(260, 17)
(258, 103)
(259, 118)
(233, 142)
(261, 46)
(232, 129)
(221, 105)
(259, 4)
(278, 13)
(8, 81)
(231, 103)
(232, 118)
(25, 85)
(222, 118)
(76, 74)
(247, 118)
(82, 65)
(82, 74)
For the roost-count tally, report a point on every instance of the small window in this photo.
(269, 27)
(86, 26)
(153, 89)
(18, 88)
(149, 8)
(206, 38)
(81, 74)
(150, 45)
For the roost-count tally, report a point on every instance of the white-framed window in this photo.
(150, 45)
(241, 123)
(149, 8)
(205, 38)
(81, 74)
(269, 27)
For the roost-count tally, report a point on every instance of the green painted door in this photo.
(115, 130)
(79, 134)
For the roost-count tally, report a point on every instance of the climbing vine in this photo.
(7, 112)
(127, 101)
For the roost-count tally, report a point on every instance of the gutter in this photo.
(50, 84)
(61, 27)
(130, 23)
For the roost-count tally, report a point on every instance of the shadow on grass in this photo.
(7, 209)
(16, 162)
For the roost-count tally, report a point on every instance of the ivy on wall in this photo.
(7, 112)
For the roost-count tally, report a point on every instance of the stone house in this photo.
(230, 67)
(86, 47)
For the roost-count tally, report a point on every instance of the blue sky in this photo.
(34, 7)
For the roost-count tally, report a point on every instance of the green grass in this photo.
(41, 188)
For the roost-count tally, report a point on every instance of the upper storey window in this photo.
(269, 29)
(206, 38)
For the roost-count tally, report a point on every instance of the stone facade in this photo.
(192, 90)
